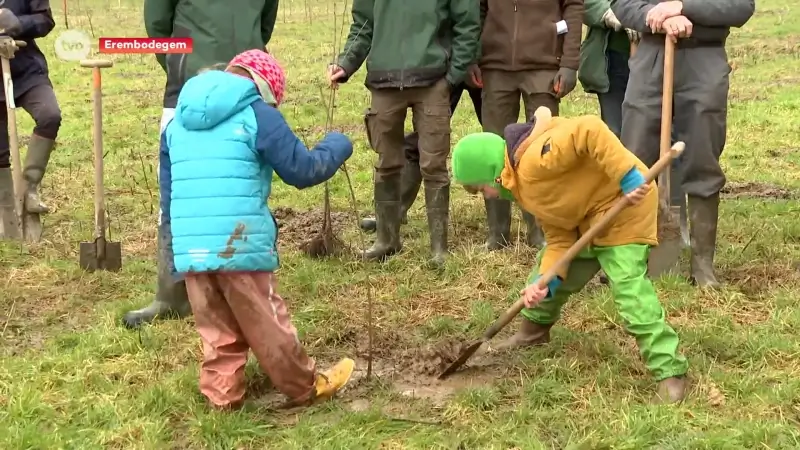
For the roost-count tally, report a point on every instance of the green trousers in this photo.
(636, 300)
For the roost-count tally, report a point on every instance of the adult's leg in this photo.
(41, 103)
(644, 318)
(8, 215)
(171, 299)
(385, 121)
(701, 95)
(641, 109)
(537, 321)
(476, 94)
(225, 348)
(500, 107)
(431, 109)
(537, 91)
(611, 101)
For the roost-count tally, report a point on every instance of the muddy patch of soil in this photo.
(297, 227)
(431, 360)
(757, 190)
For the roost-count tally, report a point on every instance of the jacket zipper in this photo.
(514, 40)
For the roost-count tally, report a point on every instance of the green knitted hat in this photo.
(478, 159)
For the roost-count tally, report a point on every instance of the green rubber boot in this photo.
(387, 213)
(409, 188)
(498, 220)
(437, 203)
(39, 150)
(534, 236)
(171, 302)
(703, 216)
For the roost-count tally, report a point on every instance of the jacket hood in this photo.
(212, 97)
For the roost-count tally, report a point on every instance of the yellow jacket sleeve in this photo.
(587, 137)
(558, 240)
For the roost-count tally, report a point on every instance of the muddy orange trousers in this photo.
(238, 312)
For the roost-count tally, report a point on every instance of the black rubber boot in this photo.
(171, 302)
(498, 220)
(387, 209)
(703, 216)
(529, 334)
(409, 188)
(534, 236)
(8, 216)
(671, 390)
(437, 203)
(39, 150)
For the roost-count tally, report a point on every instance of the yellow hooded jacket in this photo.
(567, 172)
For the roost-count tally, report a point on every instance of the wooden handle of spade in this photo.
(97, 128)
(512, 312)
(666, 116)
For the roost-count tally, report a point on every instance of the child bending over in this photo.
(217, 159)
(568, 173)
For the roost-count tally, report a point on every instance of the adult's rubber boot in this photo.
(703, 216)
(671, 390)
(8, 216)
(498, 220)
(529, 334)
(387, 213)
(437, 204)
(535, 236)
(171, 302)
(409, 188)
(39, 150)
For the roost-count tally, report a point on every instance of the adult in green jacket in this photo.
(416, 52)
(604, 71)
(219, 32)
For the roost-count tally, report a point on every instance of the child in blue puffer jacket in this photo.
(218, 155)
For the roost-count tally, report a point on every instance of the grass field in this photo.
(72, 377)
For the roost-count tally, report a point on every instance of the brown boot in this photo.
(529, 334)
(671, 390)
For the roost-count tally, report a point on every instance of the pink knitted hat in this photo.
(264, 66)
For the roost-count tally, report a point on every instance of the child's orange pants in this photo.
(237, 312)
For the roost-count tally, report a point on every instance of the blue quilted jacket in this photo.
(217, 160)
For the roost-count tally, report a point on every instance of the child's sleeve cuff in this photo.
(632, 180)
(552, 286)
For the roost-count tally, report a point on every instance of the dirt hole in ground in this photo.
(297, 227)
(757, 190)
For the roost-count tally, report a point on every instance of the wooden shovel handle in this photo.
(666, 116)
(584, 240)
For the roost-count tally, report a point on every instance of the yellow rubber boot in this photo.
(334, 379)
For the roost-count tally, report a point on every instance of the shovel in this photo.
(100, 254)
(662, 164)
(665, 257)
(24, 225)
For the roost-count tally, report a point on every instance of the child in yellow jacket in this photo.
(568, 172)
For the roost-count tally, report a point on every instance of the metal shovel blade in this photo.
(462, 358)
(101, 255)
(666, 257)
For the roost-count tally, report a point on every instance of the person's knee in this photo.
(48, 122)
